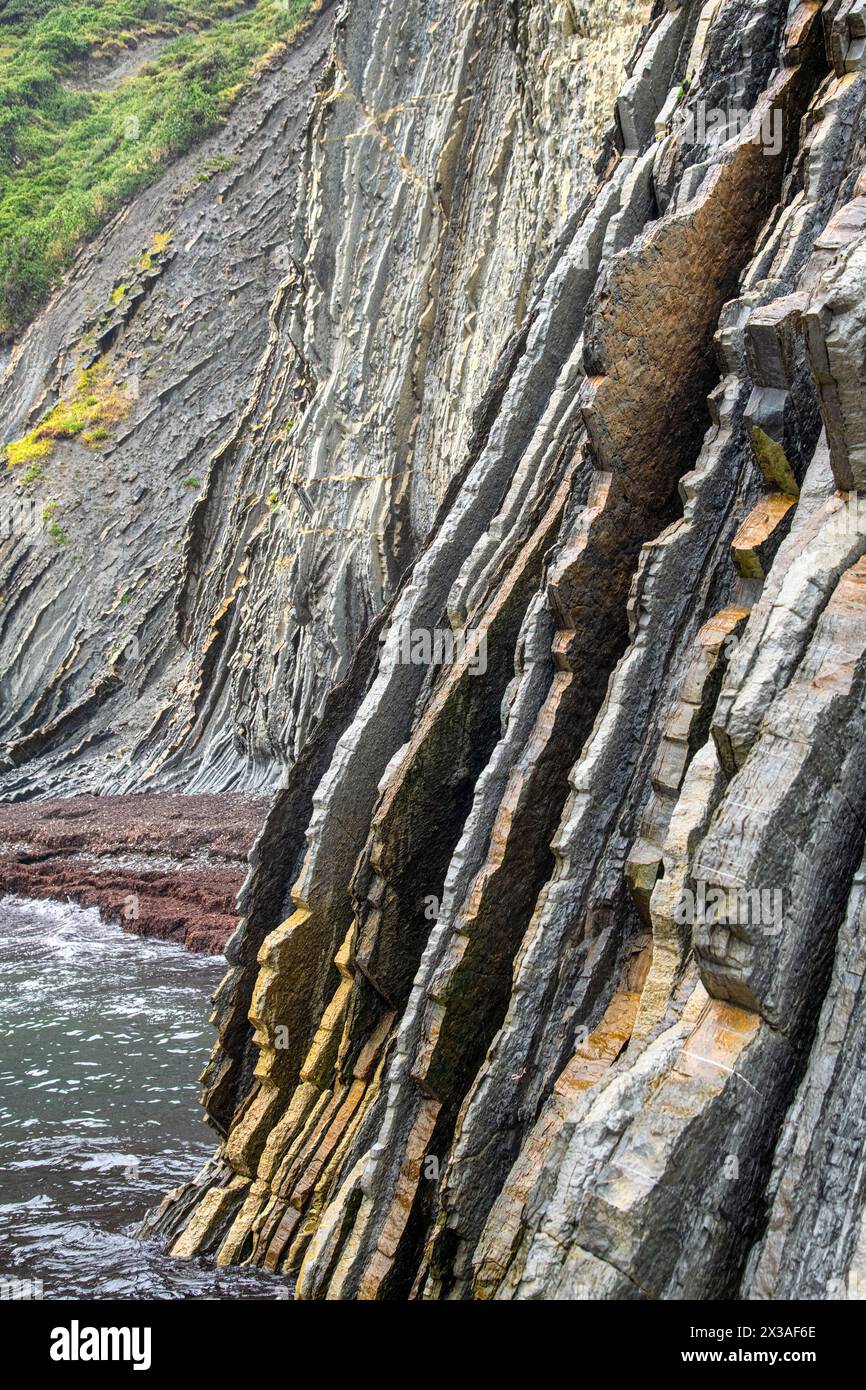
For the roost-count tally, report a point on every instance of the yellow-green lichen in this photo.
(160, 243)
(96, 403)
(27, 450)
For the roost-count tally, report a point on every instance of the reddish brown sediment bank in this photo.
(163, 866)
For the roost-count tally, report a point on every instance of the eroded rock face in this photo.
(546, 980)
(400, 186)
(170, 305)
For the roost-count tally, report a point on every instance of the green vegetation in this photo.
(55, 530)
(70, 157)
(217, 165)
(97, 435)
(773, 463)
(95, 404)
(191, 482)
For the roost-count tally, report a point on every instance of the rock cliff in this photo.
(534, 331)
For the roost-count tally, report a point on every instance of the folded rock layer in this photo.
(547, 979)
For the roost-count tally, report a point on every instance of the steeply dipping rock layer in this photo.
(546, 982)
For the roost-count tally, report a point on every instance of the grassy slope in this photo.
(70, 157)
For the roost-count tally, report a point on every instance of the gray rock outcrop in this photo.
(547, 980)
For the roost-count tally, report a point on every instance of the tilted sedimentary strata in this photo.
(549, 978)
(170, 305)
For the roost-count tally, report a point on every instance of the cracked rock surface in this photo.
(547, 982)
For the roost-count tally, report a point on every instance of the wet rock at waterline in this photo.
(547, 974)
(162, 866)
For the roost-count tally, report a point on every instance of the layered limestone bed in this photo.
(549, 976)
(329, 287)
(117, 398)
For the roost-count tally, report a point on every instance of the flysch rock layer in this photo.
(310, 360)
(546, 984)
(171, 301)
